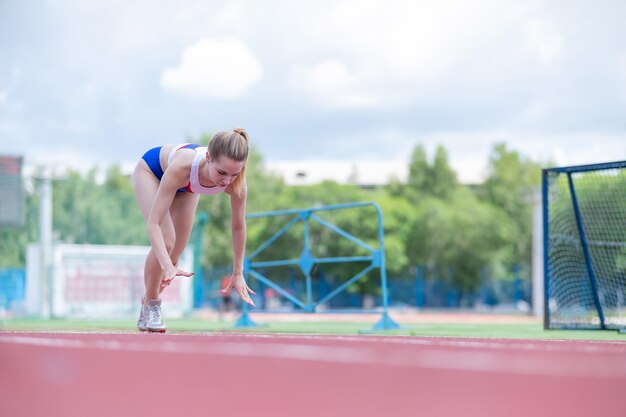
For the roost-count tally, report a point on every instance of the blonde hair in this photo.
(232, 144)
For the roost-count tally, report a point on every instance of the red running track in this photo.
(102, 374)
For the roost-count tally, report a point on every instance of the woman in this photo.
(168, 181)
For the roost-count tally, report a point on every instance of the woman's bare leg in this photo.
(182, 213)
(146, 186)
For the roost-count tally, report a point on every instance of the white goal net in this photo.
(99, 281)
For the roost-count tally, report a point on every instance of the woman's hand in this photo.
(239, 284)
(170, 274)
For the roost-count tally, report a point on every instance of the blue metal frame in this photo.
(307, 261)
(583, 239)
(546, 249)
(198, 278)
(584, 243)
(591, 167)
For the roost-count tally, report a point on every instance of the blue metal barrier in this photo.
(12, 288)
(307, 261)
(197, 235)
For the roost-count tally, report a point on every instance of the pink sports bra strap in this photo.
(173, 151)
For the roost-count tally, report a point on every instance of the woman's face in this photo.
(223, 171)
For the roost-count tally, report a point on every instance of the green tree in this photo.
(437, 179)
(86, 211)
(419, 171)
(456, 239)
(13, 240)
(512, 180)
(442, 180)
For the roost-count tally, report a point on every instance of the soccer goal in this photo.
(584, 219)
(99, 281)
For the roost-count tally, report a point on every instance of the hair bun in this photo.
(242, 132)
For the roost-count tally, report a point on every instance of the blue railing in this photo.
(307, 261)
(12, 289)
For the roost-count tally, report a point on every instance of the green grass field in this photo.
(323, 326)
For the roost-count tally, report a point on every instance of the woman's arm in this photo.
(238, 228)
(174, 177)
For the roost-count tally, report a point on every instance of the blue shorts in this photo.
(152, 158)
(154, 163)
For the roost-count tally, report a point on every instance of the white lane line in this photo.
(546, 345)
(498, 344)
(429, 358)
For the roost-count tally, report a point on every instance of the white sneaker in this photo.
(143, 316)
(153, 320)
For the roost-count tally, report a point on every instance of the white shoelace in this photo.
(154, 314)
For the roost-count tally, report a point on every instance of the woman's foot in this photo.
(143, 316)
(153, 319)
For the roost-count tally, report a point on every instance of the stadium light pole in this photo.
(45, 244)
(537, 257)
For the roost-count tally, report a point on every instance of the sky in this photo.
(331, 89)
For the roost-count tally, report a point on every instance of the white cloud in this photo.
(622, 76)
(394, 53)
(216, 69)
(13, 130)
(559, 156)
(70, 125)
(5, 91)
(544, 39)
(368, 172)
(382, 75)
(231, 15)
(580, 148)
(58, 161)
(331, 84)
(365, 60)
